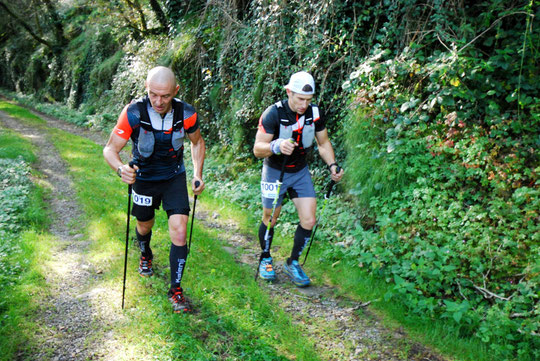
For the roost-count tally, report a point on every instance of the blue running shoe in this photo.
(266, 270)
(296, 274)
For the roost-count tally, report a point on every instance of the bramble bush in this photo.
(448, 142)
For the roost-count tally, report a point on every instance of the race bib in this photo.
(269, 190)
(140, 200)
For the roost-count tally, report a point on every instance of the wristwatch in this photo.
(119, 171)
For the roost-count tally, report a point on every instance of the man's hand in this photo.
(336, 177)
(128, 174)
(287, 146)
(197, 190)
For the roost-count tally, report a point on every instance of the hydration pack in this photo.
(305, 125)
(146, 139)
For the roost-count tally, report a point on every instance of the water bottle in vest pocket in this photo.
(177, 139)
(146, 142)
(308, 134)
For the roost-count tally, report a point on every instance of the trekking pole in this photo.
(197, 183)
(130, 188)
(269, 227)
(326, 196)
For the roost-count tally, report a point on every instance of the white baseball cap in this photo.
(301, 83)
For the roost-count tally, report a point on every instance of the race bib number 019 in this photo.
(269, 190)
(140, 200)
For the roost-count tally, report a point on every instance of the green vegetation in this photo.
(433, 109)
(23, 245)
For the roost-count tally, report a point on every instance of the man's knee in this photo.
(308, 223)
(144, 227)
(178, 229)
(267, 213)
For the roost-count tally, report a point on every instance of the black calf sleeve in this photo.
(262, 241)
(144, 243)
(177, 260)
(301, 239)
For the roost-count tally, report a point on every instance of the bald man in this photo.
(157, 125)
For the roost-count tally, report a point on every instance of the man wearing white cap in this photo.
(286, 134)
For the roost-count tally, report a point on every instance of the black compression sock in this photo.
(177, 260)
(301, 239)
(144, 244)
(262, 232)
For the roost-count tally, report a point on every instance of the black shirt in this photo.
(269, 123)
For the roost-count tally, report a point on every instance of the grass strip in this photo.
(24, 247)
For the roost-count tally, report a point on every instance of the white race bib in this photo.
(269, 190)
(140, 200)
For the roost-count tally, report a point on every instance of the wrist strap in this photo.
(274, 146)
(330, 166)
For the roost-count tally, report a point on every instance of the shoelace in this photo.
(178, 297)
(146, 263)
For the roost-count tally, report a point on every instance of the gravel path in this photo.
(77, 319)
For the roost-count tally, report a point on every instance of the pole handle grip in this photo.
(331, 184)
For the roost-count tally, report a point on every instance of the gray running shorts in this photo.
(297, 185)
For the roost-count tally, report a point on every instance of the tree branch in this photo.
(160, 15)
(27, 27)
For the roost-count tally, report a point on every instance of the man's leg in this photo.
(267, 213)
(306, 213)
(144, 234)
(178, 252)
(143, 230)
(177, 259)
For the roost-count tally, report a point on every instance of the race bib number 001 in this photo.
(140, 200)
(269, 190)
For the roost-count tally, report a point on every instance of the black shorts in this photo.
(148, 196)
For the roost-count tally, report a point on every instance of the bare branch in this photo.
(488, 294)
(490, 27)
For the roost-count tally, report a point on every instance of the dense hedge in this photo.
(448, 137)
(432, 105)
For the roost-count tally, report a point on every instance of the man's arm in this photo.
(327, 153)
(198, 151)
(111, 153)
(262, 148)
(263, 145)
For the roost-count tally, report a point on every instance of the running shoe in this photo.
(266, 270)
(179, 302)
(145, 267)
(296, 274)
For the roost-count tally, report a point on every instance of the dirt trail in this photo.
(345, 327)
(77, 320)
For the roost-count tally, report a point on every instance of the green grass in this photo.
(13, 146)
(22, 253)
(20, 113)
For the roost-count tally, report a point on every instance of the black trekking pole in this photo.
(269, 226)
(197, 183)
(130, 188)
(326, 196)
